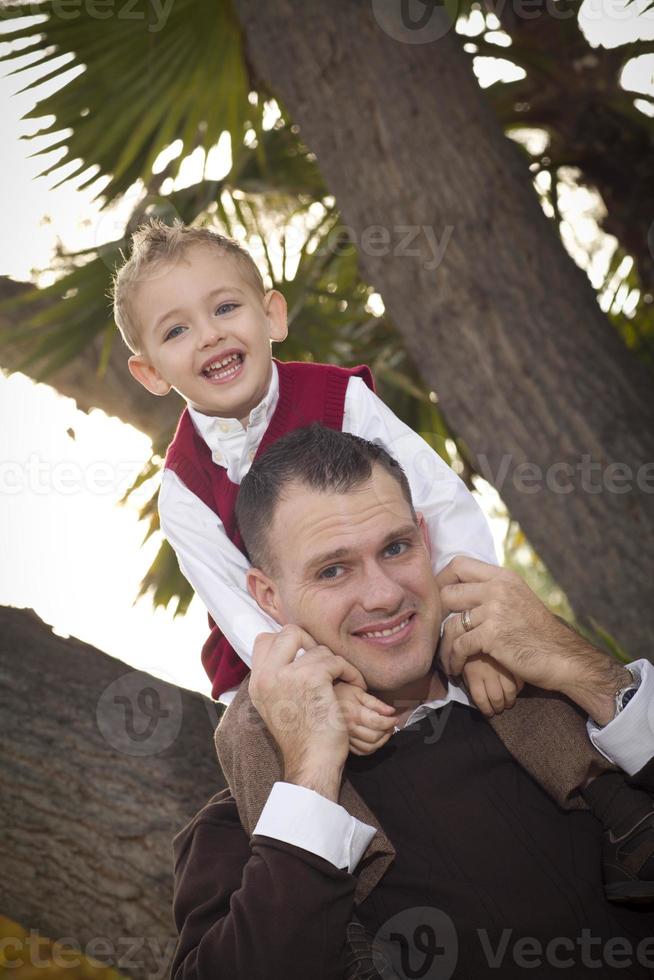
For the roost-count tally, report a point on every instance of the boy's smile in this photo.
(207, 332)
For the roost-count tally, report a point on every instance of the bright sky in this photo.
(69, 551)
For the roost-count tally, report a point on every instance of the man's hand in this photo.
(297, 702)
(370, 722)
(510, 624)
(492, 687)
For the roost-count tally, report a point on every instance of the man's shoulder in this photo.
(219, 814)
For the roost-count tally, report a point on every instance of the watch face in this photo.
(626, 697)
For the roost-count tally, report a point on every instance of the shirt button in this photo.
(252, 454)
(224, 427)
(216, 456)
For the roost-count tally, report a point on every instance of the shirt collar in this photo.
(215, 429)
(455, 692)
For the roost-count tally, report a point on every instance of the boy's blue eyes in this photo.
(223, 306)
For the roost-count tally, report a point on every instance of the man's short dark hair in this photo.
(317, 457)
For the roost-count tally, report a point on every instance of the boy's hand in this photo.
(369, 721)
(492, 687)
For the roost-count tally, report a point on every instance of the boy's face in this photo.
(197, 312)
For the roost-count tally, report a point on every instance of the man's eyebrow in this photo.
(327, 557)
(177, 312)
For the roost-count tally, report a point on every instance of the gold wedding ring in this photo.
(466, 621)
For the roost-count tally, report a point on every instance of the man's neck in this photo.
(409, 697)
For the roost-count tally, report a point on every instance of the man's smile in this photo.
(389, 632)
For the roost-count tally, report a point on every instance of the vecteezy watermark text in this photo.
(66, 477)
(402, 241)
(158, 11)
(423, 942)
(148, 955)
(585, 474)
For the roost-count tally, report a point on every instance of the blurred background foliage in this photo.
(139, 97)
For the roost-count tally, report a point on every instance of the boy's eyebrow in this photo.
(177, 312)
(405, 531)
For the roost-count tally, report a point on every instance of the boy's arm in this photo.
(213, 565)
(455, 521)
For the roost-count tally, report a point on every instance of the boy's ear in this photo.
(274, 303)
(141, 369)
(264, 592)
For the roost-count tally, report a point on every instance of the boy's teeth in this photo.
(395, 629)
(220, 365)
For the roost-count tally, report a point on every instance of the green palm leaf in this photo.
(143, 81)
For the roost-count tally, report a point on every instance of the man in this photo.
(483, 855)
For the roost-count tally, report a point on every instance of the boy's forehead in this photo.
(197, 264)
(197, 271)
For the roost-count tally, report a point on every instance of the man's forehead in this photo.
(306, 516)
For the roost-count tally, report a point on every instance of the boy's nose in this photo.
(209, 335)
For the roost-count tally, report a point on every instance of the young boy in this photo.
(193, 308)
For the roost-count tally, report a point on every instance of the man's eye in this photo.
(331, 572)
(396, 548)
(226, 307)
(171, 332)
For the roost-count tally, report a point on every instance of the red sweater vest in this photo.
(307, 393)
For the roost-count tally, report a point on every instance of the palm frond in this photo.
(142, 82)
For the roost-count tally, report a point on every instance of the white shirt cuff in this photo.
(300, 816)
(628, 740)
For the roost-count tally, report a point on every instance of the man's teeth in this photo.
(219, 366)
(395, 629)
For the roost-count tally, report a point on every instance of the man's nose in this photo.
(380, 589)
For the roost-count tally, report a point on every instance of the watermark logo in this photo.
(139, 715)
(416, 944)
(413, 21)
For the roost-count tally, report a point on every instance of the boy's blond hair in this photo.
(155, 243)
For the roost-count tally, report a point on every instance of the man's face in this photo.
(198, 311)
(353, 570)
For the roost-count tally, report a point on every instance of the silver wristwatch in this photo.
(626, 693)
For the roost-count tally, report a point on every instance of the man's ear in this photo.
(141, 369)
(265, 594)
(274, 303)
(424, 530)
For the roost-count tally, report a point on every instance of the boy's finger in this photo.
(495, 693)
(478, 695)
(379, 723)
(375, 704)
(510, 691)
(367, 735)
(360, 747)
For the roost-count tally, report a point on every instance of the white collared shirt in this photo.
(232, 446)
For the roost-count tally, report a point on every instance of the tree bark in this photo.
(116, 392)
(96, 779)
(505, 328)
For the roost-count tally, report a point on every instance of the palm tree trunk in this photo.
(505, 328)
(101, 766)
